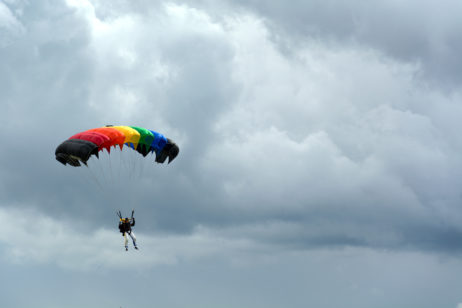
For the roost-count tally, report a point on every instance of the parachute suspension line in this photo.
(143, 166)
(95, 179)
(123, 163)
(120, 165)
(101, 183)
(99, 175)
(132, 164)
(124, 171)
(104, 167)
(129, 164)
(126, 163)
(117, 166)
(139, 165)
(107, 169)
(92, 178)
(132, 167)
(126, 160)
(110, 170)
(135, 165)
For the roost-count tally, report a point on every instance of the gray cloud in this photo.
(412, 31)
(310, 133)
(298, 139)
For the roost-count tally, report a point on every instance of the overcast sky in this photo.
(320, 153)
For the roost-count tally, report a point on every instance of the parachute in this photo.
(81, 146)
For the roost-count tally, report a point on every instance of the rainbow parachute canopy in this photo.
(81, 146)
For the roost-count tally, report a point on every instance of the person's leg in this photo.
(125, 241)
(132, 235)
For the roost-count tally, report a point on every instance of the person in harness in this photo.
(125, 227)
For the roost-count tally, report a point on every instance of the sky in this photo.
(319, 159)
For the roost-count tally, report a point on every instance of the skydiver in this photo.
(125, 227)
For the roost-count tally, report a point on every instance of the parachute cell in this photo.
(115, 137)
(146, 139)
(131, 136)
(72, 151)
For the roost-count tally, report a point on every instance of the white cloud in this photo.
(10, 27)
(33, 238)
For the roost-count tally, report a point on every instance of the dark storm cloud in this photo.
(423, 32)
(44, 78)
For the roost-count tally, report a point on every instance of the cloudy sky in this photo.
(320, 153)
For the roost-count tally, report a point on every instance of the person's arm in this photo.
(133, 221)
